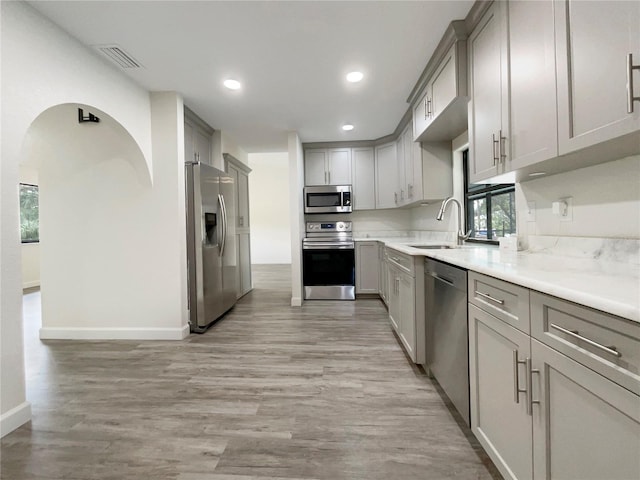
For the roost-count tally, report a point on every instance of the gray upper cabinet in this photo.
(488, 122)
(364, 192)
(327, 166)
(441, 111)
(386, 176)
(593, 42)
(534, 68)
(197, 138)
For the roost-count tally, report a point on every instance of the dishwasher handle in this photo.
(442, 279)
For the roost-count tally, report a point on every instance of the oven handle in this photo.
(328, 246)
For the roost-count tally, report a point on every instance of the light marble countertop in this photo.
(603, 284)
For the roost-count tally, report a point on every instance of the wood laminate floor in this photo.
(269, 392)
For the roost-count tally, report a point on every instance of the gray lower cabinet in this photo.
(585, 426)
(383, 274)
(561, 403)
(367, 267)
(405, 284)
(498, 414)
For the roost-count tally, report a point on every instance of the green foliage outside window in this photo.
(29, 214)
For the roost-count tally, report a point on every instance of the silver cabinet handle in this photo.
(630, 68)
(501, 148)
(489, 297)
(401, 194)
(395, 196)
(410, 192)
(241, 221)
(325, 178)
(516, 384)
(329, 175)
(529, 387)
(493, 148)
(429, 112)
(611, 349)
(426, 112)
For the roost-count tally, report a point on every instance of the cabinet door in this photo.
(444, 84)
(367, 266)
(383, 275)
(386, 176)
(315, 167)
(487, 62)
(235, 175)
(364, 179)
(203, 146)
(393, 295)
(594, 39)
(244, 249)
(532, 83)
(407, 150)
(585, 426)
(400, 160)
(420, 115)
(189, 152)
(501, 425)
(407, 299)
(339, 167)
(243, 200)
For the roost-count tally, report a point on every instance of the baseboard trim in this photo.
(63, 333)
(26, 285)
(296, 301)
(14, 418)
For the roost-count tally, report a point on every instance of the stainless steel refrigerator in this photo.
(211, 250)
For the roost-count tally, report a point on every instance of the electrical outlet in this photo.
(531, 212)
(568, 213)
(563, 208)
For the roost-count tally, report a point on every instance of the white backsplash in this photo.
(606, 249)
(605, 201)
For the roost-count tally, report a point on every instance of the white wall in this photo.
(269, 201)
(30, 251)
(606, 201)
(43, 67)
(296, 210)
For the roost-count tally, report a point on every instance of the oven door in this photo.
(328, 273)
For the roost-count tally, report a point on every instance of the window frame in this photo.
(20, 185)
(476, 191)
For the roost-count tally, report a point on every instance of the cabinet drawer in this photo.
(405, 262)
(508, 302)
(607, 344)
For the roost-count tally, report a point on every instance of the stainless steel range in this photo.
(328, 261)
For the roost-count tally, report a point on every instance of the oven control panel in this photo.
(328, 227)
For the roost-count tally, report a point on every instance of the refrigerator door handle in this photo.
(223, 210)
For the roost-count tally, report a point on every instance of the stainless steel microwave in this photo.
(327, 199)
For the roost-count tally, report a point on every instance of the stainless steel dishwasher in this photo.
(447, 341)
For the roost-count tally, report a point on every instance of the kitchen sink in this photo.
(432, 247)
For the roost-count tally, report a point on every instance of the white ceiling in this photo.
(291, 57)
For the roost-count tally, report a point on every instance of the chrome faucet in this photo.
(461, 235)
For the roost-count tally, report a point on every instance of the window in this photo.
(29, 214)
(491, 208)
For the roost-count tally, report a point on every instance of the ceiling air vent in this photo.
(118, 55)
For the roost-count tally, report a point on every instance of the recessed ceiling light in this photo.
(347, 127)
(232, 84)
(537, 174)
(354, 77)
